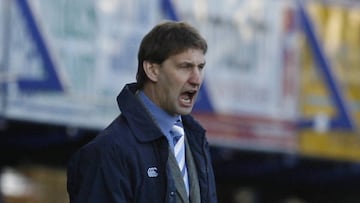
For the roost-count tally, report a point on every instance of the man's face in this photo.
(179, 80)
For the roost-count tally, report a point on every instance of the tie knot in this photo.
(177, 132)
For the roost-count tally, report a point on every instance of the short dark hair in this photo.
(164, 40)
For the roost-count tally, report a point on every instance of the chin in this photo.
(185, 111)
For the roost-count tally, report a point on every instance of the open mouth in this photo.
(188, 96)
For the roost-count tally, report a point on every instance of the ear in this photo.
(152, 70)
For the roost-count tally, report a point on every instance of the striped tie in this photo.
(179, 151)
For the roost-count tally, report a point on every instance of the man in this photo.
(154, 151)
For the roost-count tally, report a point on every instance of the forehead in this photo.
(189, 55)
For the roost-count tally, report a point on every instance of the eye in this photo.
(201, 66)
(186, 65)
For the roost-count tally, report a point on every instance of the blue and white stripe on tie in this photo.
(179, 151)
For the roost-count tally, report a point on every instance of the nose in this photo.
(196, 77)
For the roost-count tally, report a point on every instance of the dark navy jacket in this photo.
(127, 162)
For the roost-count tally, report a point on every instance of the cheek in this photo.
(173, 83)
(170, 91)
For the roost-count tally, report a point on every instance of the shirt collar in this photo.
(164, 120)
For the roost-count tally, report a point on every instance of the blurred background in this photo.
(280, 101)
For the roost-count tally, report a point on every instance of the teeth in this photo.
(187, 99)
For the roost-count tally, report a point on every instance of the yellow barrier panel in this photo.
(334, 145)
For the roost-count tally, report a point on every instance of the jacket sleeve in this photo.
(95, 176)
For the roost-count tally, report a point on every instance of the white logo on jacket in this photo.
(152, 172)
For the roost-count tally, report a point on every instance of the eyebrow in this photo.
(192, 63)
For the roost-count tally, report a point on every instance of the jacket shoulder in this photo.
(114, 139)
